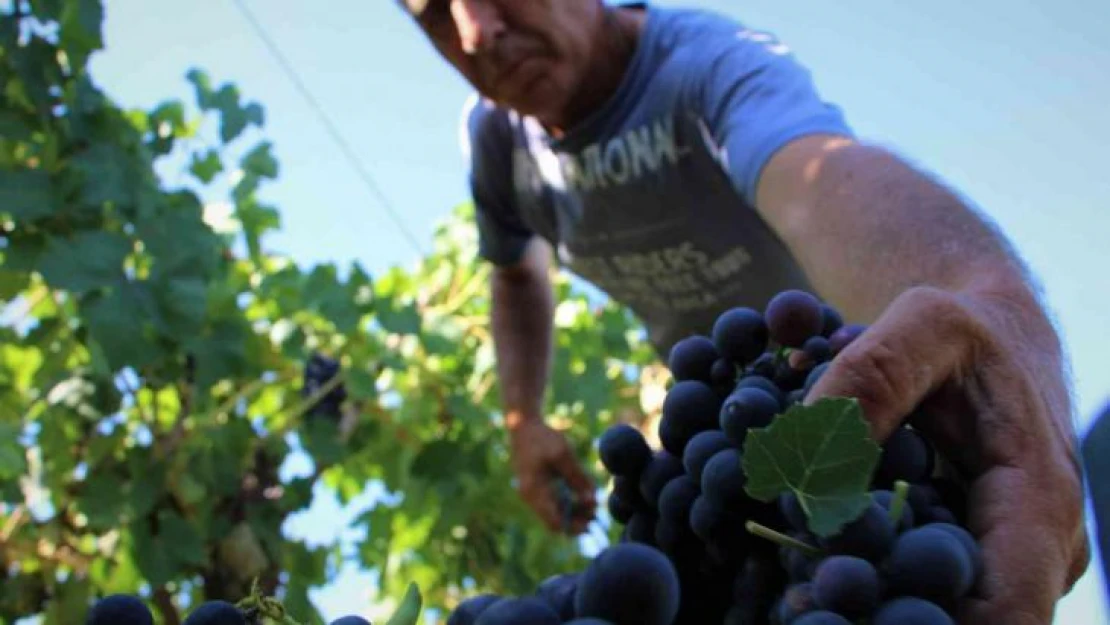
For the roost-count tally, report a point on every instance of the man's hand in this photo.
(541, 456)
(988, 376)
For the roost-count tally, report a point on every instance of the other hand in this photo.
(983, 375)
(541, 456)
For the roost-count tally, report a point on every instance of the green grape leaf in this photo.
(409, 611)
(206, 167)
(823, 453)
(26, 194)
(86, 261)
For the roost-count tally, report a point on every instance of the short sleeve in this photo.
(756, 98)
(486, 143)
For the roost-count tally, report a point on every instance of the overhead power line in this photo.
(366, 177)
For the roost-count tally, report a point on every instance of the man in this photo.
(686, 164)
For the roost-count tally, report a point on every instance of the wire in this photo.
(293, 76)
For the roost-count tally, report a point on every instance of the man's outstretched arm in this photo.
(522, 311)
(954, 324)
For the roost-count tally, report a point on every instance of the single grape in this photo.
(713, 522)
(793, 316)
(756, 585)
(869, 537)
(974, 551)
(885, 498)
(641, 528)
(798, 566)
(764, 366)
(764, 383)
(723, 374)
(469, 609)
(792, 511)
(929, 563)
(906, 456)
(939, 514)
(628, 489)
(119, 610)
(817, 349)
(814, 376)
(215, 613)
(350, 620)
(618, 509)
(700, 449)
(692, 358)
(844, 336)
(921, 497)
(676, 499)
(663, 467)
(788, 378)
(911, 611)
(519, 611)
(675, 539)
(558, 591)
(747, 408)
(795, 396)
(831, 320)
(847, 585)
(690, 407)
(623, 450)
(629, 583)
(723, 478)
(821, 617)
(797, 599)
(740, 334)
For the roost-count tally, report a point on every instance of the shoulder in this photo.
(703, 39)
(483, 126)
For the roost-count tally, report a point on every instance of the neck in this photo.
(615, 46)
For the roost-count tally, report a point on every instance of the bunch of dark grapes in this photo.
(626, 583)
(687, 503)
(130, 610)
(894, 564)
(318, 371)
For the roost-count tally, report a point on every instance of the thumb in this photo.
(919, 342)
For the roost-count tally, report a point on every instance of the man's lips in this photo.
(519, 74)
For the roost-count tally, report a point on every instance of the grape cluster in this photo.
(130, 610)
(626, 583)
(318, 371)
(896, 563)
(696, 549)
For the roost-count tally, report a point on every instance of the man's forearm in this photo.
(521, 315)
(867, 227)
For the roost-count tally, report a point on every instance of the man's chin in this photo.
(542, 101)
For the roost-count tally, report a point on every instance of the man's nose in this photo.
(478, 22)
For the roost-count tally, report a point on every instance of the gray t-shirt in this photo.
(650, 199)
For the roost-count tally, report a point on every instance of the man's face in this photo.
(530, 55)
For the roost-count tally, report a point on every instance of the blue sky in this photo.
(1005, 100)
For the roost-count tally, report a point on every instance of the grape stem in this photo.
(898, 502)
(782, 539)
(267, 607)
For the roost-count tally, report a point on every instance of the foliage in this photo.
(152, 353)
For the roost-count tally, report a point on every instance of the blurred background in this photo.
(339, 180)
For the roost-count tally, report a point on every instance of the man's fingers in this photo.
(571, 471)
(1023, 563)
(541, 496)
(920, 341)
